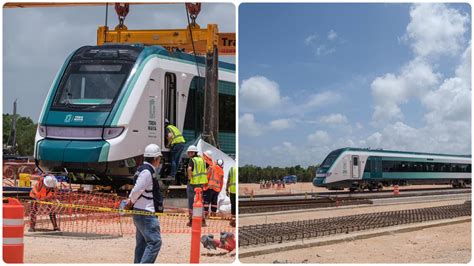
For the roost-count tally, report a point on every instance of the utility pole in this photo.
(211, 99)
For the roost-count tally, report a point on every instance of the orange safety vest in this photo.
(217, 178)
(40, 191)
(208, 161)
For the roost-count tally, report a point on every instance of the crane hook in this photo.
(122, 10)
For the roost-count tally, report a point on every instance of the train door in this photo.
(355, 166)
(169, 101)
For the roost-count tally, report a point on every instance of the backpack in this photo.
(157, 197)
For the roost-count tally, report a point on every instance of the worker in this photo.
(197, 176)
(231, 185)
(216, 181)
(146, 197)
(207, 156)
(44, 190)
(175, 141)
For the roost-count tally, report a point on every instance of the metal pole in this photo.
(211, 95)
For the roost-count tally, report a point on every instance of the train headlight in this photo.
(112, 132)
(42, 131)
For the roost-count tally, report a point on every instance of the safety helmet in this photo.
(192, 148)
(208, 154)
(50, 181)
(167, 122)
(220, 162)
(152, 151)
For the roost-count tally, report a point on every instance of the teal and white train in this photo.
(108, 102)
(358, 169)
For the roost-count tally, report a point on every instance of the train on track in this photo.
(360, 169)
(108, 102)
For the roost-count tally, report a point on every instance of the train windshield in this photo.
(329, 160)
(91, 84)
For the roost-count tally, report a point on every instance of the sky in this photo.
(317, 77)
(36, 41)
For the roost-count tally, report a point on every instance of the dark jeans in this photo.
(213, 197)
(175, 154)
(233, 198)
(148, 238)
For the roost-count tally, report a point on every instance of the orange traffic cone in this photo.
(196, 227)
(13, 228)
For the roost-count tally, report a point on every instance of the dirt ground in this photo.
(175, 249)
(246, 189)
(334, 212)
(443, 244)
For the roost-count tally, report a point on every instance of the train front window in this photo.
(330, 159)
(91, 84)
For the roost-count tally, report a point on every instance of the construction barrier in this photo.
(196, 227)
(98, 214)
(13, 231)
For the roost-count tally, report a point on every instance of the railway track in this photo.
(264, 234)
(296, 204)
(324, 200)
(345, 192)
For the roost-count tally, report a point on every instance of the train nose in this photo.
(319, 180)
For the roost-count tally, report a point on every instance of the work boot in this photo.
(56, 229)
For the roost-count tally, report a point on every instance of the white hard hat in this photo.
(152, 150)
(192, 148)
(220, 162)
(208, 153)
(50, 181)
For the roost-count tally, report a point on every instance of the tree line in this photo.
(25, 134)
(253, 174)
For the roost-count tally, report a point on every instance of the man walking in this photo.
(197, 175)
(145, 196)
(175, 141)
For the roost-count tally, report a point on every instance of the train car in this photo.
(359, 169)
(108, 102)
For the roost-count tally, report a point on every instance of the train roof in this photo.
(402, 152)
(137, 52)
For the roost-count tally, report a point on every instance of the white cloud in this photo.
(335, 119)
(324, 50)
(389, 90)
(452, 101)
(436, 29)
(320, 99)
(311, 39)
(319, 137)
(259, 93)
(249, 127)
(280, 124)
(332, 35)
(285, 148)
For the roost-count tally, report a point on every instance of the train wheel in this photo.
(379, 187)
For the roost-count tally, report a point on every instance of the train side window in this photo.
(356, 161)
(367, 168)
(170, 97)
